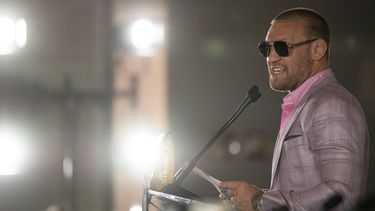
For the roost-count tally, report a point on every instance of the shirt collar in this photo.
(294, 97)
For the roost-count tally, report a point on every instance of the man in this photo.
(322, 147)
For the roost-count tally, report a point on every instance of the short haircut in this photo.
(317, 26)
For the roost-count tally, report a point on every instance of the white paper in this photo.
(207, 177)
(224, 192)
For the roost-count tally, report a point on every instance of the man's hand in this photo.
(242, 194)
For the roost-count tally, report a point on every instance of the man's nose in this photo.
(273, 55)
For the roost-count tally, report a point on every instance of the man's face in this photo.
(288, 73)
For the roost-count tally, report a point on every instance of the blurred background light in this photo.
(234, 147)
(68, 168)
(217, 48)
(146, 36)
(12, 152)
(136, 208)
(351, 42)
(140, 149)
(21, 33)
(13, 35)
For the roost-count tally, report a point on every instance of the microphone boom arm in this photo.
(252, 95)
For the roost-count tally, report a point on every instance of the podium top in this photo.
(178, 199)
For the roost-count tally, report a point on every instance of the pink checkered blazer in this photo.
(323, 151)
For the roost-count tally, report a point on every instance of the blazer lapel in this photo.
(280, 140)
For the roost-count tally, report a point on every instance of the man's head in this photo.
(302, 52)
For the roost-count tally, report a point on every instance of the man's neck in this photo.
(319, 67)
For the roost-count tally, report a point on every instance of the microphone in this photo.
(252, 96)
(282, 208)
(332, 202)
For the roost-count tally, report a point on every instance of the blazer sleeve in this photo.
(338, 138)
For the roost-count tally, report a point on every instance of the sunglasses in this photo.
(281, 47)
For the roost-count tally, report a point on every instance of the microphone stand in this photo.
(174, 188)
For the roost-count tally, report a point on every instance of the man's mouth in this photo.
(276, 70)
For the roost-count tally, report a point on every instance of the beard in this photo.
(282, 84)
(289, 79)
(286, 83)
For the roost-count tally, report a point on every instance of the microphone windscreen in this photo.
(252, 90)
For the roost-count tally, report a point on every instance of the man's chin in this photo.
(278, 88)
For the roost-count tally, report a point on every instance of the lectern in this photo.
(169, 202)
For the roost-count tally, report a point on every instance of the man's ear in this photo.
(319, 49)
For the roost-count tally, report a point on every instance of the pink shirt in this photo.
(294, 97)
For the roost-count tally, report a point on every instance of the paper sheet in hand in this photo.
(225, 192)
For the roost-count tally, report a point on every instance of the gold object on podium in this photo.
(163, 171)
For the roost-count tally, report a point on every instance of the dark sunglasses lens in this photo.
(281, 48)
(264, 49)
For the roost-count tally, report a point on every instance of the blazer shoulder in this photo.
(334, 98)
(333, 91)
